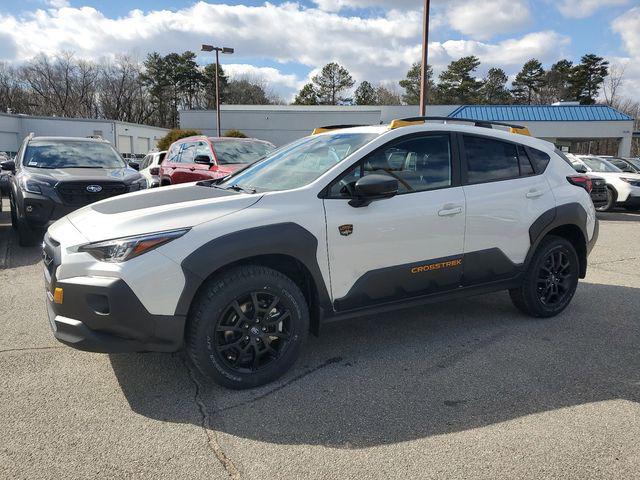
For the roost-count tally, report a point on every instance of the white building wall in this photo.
(141, 138)
(283, 124)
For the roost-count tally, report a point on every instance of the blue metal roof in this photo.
(540, 113)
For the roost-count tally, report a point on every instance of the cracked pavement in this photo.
(462, 389)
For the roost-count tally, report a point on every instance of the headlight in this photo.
(140, 184)
(31, 185)
(631, 181)
(123, 249)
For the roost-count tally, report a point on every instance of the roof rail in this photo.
(405, 122)
(328, 128)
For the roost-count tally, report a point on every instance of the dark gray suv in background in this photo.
(52, 176)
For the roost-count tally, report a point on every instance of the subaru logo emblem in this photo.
(94, 188)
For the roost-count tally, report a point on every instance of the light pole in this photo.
(211, 48)
(423, 68)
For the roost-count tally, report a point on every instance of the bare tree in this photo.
(612, 84)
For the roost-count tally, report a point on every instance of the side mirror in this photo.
(134, 165)
(8, 165)
(373, 187)
(580, 168)
(202, 159)
(154, 171)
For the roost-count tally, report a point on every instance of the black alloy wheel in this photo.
(554, 278)
(253, 331)
(550, 280)
(247, 326)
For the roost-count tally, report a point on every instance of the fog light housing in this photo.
(29, 209)
(58, 295)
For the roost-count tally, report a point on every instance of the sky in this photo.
(285, 43)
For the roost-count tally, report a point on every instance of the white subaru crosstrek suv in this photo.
(345, 222)
(623, 188)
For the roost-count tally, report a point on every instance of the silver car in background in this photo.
(150, 168)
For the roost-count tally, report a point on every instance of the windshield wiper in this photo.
(239, 188)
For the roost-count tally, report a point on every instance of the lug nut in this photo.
(247, 337)
(264, 329)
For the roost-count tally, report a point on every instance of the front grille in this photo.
(50, 254)
(76, 193)
(599, 187)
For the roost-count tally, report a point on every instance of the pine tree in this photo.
(365, 94)
(332, 80)
(528, 82)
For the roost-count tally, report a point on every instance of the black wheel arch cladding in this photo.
(285, 239)
(568, 215)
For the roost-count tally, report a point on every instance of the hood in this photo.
(54, 175)
(156, 210)
(232, 167)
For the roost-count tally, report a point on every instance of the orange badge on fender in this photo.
(346, 229)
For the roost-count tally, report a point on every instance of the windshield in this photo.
(71, 154)
(599, 165)
(634, 161)
(241, 151)
(301, 162)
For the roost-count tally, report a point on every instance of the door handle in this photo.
(449, 210)
(534, 193)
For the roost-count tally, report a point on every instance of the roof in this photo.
(540, 113)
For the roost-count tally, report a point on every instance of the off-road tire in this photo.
(528, 297)
(207, 314)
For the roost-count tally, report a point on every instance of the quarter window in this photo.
(526, 168)
(490, 160)
(539, 159)
(418, 164)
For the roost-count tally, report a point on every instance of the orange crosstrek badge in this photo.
(437, 266)
(346, 229)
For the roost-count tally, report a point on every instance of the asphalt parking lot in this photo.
(465, 389)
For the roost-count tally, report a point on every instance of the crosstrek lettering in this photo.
(437, 266)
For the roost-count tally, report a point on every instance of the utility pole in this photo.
(211, 48)
(423, 68)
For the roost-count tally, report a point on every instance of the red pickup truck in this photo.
(204, 158)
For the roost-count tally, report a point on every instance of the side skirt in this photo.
(460, 292)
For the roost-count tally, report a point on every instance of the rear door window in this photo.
(490, 160)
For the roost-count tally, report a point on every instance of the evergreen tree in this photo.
(331, 82)
(306, 96)
(587, 77)
(494, 90)
(457, 85)
(365, 94)
(412, 84)
(528, 82)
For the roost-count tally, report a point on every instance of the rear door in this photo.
(405, 246)
(505, 195)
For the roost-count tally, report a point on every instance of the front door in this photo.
(405, 246)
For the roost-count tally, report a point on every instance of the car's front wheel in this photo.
(550, 280)
(247, 327)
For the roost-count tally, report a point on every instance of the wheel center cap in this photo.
(254, 331)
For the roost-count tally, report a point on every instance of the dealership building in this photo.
(125, 137)
(565, 124)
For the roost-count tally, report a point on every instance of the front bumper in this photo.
(40, 210)
(103, 314)
(632, 202)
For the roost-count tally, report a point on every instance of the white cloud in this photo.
(627, 26)
(272, 76)
(483, 19)
(57, 3)
(377, 48)
(585, 8)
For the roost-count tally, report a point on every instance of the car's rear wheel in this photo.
(551, 279)
(247, 326)
(611, 201)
